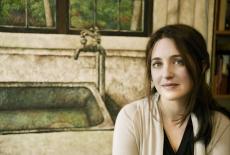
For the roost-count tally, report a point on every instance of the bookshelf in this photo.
(220, 74)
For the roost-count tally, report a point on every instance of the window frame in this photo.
(62, 23)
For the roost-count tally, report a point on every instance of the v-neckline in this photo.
(184, 140)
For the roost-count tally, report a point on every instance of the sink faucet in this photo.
(94, 46)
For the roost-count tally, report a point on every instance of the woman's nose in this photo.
(167, 71)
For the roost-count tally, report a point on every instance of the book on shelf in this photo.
(222, 75)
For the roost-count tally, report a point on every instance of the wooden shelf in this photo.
(226, 32)
(222, 97)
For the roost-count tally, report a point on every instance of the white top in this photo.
(139, 131)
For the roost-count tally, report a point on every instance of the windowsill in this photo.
(58, 41)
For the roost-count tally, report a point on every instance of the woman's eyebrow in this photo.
(172, 56)
(156, 58)
(176, 56)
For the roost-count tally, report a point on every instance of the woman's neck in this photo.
(172, 110)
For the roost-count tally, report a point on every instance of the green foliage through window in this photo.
(27, 13)
(108, 15)
(12, 12)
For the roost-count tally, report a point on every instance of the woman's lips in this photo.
(169, 85)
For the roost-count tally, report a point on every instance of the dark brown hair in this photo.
(192, 47)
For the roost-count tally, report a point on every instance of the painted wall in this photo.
(49, 58)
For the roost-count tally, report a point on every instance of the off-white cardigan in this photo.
(139, 131)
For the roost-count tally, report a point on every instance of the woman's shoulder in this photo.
(220, 133)
(135, 106)
(134, 109)
(221, 120)
(221, 124)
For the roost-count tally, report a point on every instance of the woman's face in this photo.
(169, 73)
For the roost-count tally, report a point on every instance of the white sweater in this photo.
(139, 131)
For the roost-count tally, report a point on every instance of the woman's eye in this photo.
(156, 64)
(179, 62)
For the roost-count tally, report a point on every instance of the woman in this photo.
(179, 115)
